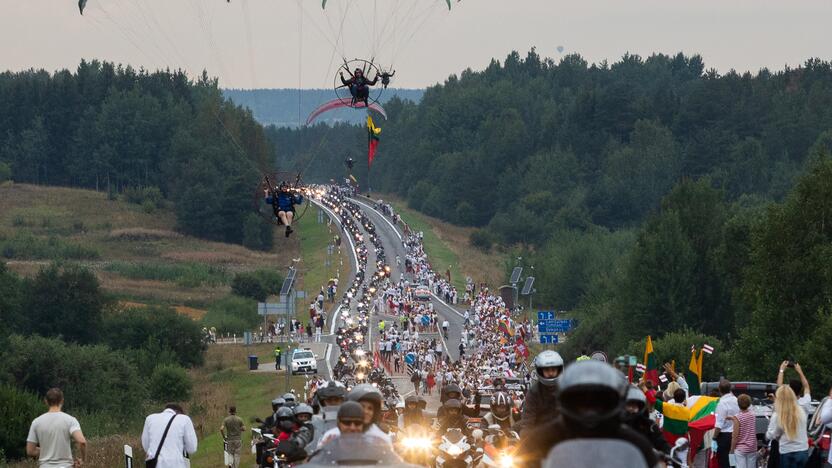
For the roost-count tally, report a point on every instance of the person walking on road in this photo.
(232, 433)
(52, 433)
(277, 355)
(167, 436)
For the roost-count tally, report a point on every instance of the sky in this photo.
(296, 43)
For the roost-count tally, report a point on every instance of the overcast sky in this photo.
(257, 43)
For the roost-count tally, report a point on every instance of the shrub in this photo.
(17, 410)
(232, 314)
(248, 285)
(93, 378)
(148, 197)
(258, 234)
(5, 172)
(170, 383)
(481, 239)
(154, 335)
(64, 302)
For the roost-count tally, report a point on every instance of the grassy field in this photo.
(137, 256)
(225, 381)
(447, 246)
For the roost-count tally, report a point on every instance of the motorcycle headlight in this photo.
(416, 443)
(506, 461)
(454, 451)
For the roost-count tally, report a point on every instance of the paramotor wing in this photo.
(340, 103)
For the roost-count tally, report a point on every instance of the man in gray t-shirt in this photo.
(51, 435)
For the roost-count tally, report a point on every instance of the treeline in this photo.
(113, 128)
(59, 329)
(652, 196)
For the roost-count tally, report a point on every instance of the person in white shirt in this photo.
(788, 426)
(181, 437)
(724, 428)
(800, 388)
(51, 435)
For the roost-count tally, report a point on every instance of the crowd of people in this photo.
(541, 406)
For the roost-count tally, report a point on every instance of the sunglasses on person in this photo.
(353, 423)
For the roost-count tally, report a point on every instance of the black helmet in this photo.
(591, 393)
(368, 393)
(500, 406)
(548, 359)
(453, 407)
(284, 419)
(290, 399)
(411, 400)
(331, 390)
(351, 410)
(452, 388)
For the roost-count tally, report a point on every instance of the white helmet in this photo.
(545, 360)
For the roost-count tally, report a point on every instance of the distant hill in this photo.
(279, 107)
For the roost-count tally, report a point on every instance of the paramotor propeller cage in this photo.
(370, 70)
(269, 182)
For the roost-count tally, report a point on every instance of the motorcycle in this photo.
(415, 444)
(454, 451)
(498, 447)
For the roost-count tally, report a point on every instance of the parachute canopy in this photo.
(341, 103)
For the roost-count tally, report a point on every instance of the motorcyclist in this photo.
(291, 437)
(330, 397)
(453, 392)
(500, 414)
(270, 421)
(413, 412)
(355, 410)
(591, 397)
(370, 399)
(453, 417)
(637, 417)
(541, 401)
(303, 416)
(290, 400)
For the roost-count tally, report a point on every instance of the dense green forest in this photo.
(653, 196)
(108, 127)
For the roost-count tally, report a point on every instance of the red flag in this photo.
(372, 140)
(521, 347)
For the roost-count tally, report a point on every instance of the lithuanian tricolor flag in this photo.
(694, 419)
(505, 327)
(651, 371)
(694, 373)
(372, 140)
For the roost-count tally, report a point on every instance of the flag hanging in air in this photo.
(372, 140)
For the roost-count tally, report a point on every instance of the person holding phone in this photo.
(799, 387)
(788, 426)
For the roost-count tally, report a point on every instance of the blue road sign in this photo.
(545, 315)
(554, 326)
(548, 339)
(410, 358)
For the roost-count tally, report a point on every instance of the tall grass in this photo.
(188, 275)
(26, 246)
